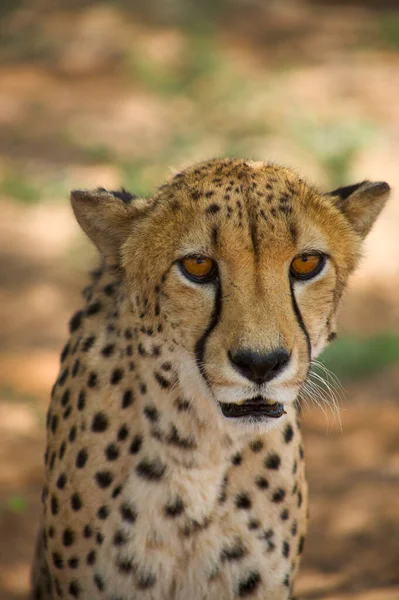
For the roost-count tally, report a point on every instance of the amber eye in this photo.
(200, 269)
(307, 266)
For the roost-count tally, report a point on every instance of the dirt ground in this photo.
(70, 122)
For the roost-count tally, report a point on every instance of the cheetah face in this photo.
(240, 267)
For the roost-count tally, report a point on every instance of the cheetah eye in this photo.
(307, 265)
(200, 269)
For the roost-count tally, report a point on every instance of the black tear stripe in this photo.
(201, 343)
(299, 319)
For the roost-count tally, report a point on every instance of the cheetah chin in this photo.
(254, 407)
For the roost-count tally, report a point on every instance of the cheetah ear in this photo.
(361, 203)
(106, 218)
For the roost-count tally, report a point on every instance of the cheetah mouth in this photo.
(254, 407)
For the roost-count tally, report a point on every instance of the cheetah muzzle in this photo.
(256, 408)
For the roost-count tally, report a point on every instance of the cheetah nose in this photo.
(257, 367)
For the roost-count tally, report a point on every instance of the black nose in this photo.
(259, 367)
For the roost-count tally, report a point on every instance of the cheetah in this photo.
(174, 468)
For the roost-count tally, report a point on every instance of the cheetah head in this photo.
(239, 268)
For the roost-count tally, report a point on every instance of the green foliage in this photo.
(16, 504)
(388, 28)
(19, 187)
(355, 358)
(334, 143)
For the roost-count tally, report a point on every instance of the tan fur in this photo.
(150, 492)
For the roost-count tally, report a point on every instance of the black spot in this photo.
(256, 445)
(123, 195)
(253, 524)
(93, 309)
(127, 399)
(152, 470)
(301, 544)
(163, 382)
(273, 461)
(136, 444)
(175, 508)
(123, 433)
(99, 423)
(166, 366)
(54, 505)
(109, 289)
(75, 368)
(74, 589)
(119, 538)
(68, 537)
(116, 491)
(104, 479)
(73, 562)
(195, 195)
(54, 423)
(301, 453)
(99, 538)
(76, 502)
(278, 495)
(116, 376)
(65, 397)
(61, 481)
(64, 352)
(81, 458)
(124, 565)
(72, 434)
(52, 460)
(103, 512)
(284, 514)
(112, 452)
(294, 467)
(286, 549)
(88, 343)
(182, 405)
(299, 499)
(63, 377)
(108, 350)
(212, 209)
(331, 336)
(152, 414)
(57, 560)
(294, 528)
(146, 581)
(235, 552)
(91, 557)
(262, 482)
(288, 433)
(81, 400)
(243, 501)
(92, 380)
(67, 413)
(249, 585)
(174, 438)
(128, 513)
(87, 531)
(237, 459)
(76, 321)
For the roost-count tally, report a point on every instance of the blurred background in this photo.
(113, 93)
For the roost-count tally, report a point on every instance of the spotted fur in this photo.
(151, 493)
